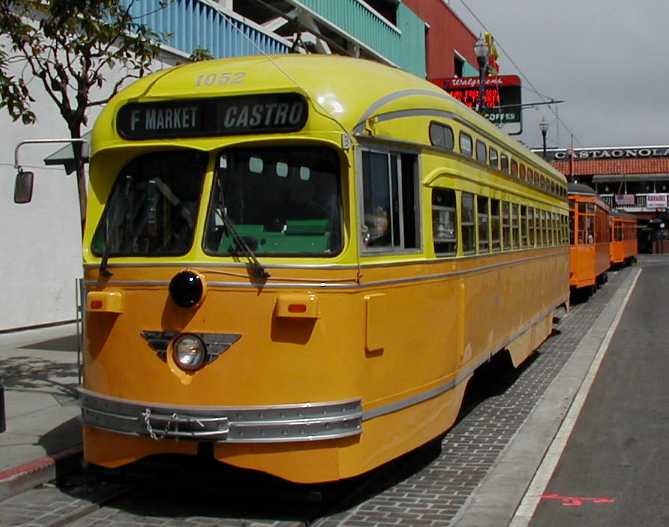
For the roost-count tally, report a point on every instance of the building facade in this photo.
(41, 241)
(449, 42)
(633, 179)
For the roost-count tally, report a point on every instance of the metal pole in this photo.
(543, 137)
(3, 420)
(482, 68)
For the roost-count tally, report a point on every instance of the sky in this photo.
(607, 59)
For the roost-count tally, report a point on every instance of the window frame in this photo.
(437, 124)
(417, 205)
(462, 135)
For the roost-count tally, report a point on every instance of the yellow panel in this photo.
(290, 306)
(105, 301)
(376, 321)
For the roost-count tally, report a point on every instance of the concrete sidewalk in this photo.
(38, 369)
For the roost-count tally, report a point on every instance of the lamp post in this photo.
(481, 51)
(543, 126)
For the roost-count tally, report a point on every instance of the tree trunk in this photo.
(75, 133)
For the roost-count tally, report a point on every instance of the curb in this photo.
(18, 479)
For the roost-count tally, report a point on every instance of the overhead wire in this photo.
(532, 87)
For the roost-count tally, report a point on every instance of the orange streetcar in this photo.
(589, 237)
(623, 247)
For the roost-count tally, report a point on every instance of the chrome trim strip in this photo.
(244, 424)
(393, 97)
(259, 424)
(462, 376)
(355, 285)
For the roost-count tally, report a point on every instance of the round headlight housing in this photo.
(189, 352)
(186, 289)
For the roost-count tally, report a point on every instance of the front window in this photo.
(281, 200)
(152, 209)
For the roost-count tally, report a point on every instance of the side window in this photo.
(441, 136)
(523, 226)
(482, 213)
(523, 175)
(515, 225)
(530, 226)
(443, 222)
(493, 157)
(466, 144)
(481, 152)
(495, 224)
(468, 224)
(504, 160)
(390, 218)
(514, 168)
(506, 225)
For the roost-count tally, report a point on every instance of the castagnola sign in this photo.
(248, 114)
(612, 153)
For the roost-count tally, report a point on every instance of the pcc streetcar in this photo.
(624, 245)
(589, 234)
(298, 262)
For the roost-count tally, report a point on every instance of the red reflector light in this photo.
(297, 308)
(96, 304)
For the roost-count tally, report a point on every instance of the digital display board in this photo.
(248, 114)
(501, 95)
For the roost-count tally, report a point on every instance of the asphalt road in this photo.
(614, 469)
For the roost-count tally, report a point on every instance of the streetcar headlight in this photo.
(186, 289)
(189, 352)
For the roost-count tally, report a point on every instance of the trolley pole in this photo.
(3, 420)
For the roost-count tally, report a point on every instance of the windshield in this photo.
(152, 209)
(282, 201)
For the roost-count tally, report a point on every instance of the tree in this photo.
(69, 45)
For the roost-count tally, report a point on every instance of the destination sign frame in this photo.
(236, 115)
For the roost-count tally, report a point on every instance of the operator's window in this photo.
(390, 205)
(279, 201)
(153, 206)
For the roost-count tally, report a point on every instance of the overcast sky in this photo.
(608, 59)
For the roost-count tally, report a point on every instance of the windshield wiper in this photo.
(259, 270)
(104, 269)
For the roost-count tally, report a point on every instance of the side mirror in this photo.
(23, 187)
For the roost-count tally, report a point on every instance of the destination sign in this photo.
(248, 114)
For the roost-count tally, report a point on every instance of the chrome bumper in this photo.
(246, 424)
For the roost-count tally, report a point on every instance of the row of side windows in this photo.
(443, 137)
(489, 225)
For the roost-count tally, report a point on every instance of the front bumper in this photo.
(245, 424)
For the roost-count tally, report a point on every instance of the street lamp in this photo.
(481, 51)
(543, 126)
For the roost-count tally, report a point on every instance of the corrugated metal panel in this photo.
(412, 50)
(403, 45)
(191, 24)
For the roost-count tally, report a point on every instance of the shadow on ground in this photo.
(27, 373)
(68, 343)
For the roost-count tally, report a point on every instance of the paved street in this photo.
(614, 469)
(434, 486)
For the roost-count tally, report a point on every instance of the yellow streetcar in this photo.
(298, 262)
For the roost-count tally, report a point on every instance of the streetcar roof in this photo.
(345, 91)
